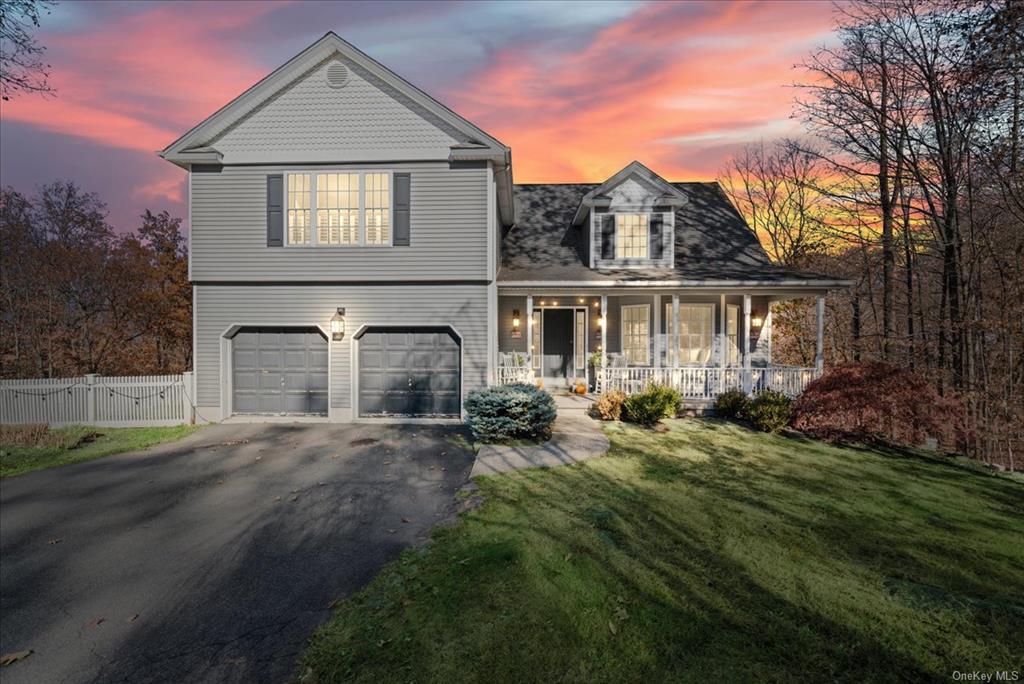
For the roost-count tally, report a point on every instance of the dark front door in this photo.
(557, 329)
(409, 372)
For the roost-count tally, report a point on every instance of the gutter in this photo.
(678, 283)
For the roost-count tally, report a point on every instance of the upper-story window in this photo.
(347, 208)
(298, 208)
(631, 238)
(337, 205)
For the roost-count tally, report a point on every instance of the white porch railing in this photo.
(509, 375)
(702, 383)
(133, 401)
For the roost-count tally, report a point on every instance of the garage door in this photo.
(279, 370)
(409, 372)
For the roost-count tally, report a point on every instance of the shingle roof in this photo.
(712, 241)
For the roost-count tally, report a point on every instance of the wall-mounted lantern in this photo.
(756, 322)
(515, 324)
(338, 324)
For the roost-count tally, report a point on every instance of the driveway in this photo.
(214, 558)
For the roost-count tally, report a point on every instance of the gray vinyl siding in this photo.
(218, 307)
(507, 343)
(448, 227)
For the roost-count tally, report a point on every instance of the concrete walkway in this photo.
(575, 437)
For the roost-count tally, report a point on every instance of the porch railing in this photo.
(508, 375)
(702, 383)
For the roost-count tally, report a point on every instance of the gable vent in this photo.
(337, 75)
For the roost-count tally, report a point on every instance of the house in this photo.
(360, 251)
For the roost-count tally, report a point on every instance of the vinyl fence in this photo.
(131, 401)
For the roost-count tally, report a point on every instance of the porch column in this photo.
(819, 357)
(529, 329)
(674, 354)
(657, 331)
(604, 341)
(723, 344)
(746, 344)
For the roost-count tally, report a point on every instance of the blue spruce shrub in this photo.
(508, 412)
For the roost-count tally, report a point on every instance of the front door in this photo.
(558, 343)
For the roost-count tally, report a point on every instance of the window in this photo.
(378, 208)
(631, 236)
(337, 208)
(298, 208)
(696, 331)
(346, 208)
(636, 334)
(732, 327)
(581, 340)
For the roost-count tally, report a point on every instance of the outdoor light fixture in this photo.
(515, 319)
(581, 300)
(338, 324)
(600, 321)
(756, 321)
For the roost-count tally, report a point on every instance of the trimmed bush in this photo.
(769, 411)
(731, 404)
(507, 412)
(878, 403)
(609, 405)
(651, 405)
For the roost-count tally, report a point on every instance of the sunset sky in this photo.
(576, 89)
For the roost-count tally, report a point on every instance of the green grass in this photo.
(78, 443)
(706, 553)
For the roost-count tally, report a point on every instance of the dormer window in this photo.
(631, 236)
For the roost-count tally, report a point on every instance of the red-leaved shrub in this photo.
(878, 402)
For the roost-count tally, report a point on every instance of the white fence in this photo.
(705, 383)
(132, 401)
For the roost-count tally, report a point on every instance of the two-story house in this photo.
(360, 251)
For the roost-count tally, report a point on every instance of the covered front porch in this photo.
(697, 341)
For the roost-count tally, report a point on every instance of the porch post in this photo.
(675, 331)
(529, 330)
(819, 357)
(604, 342)
(746, 343)
(723, 343)
(657, 331)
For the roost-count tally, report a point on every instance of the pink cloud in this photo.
(140, 81)
(662, 85)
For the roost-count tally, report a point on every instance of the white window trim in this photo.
(622, 331)
(361, 208)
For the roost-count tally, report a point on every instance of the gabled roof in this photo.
(713, 245)
(598, 196)
(196, 146)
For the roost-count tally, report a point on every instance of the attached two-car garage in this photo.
(399, 371)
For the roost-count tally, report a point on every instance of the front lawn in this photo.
(706, 553)
(27, 448)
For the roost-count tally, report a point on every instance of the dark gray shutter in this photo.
(401, 209)
(607, 236)
(275, 210)
(657, 236)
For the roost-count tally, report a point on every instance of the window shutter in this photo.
(657, 236)
(607, 236)
(275, 210)
(401, 209)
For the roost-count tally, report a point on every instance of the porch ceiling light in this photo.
(515, 319)
(338, 324)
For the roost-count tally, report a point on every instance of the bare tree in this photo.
(22, 69)
(776, 189)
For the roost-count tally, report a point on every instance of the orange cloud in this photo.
(676, 85)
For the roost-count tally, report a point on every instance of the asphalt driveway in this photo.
(214, 558)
